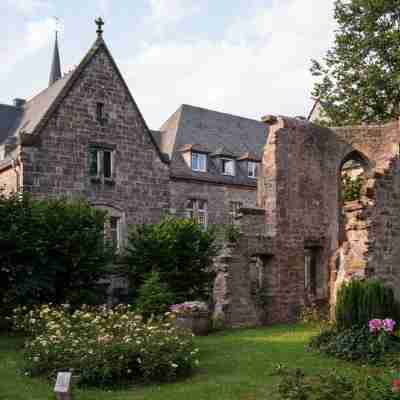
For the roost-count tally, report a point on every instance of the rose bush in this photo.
(103, 346)
(189, 307)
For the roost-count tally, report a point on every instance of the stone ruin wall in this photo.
(300, 211)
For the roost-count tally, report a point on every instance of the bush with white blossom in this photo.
(104, 346)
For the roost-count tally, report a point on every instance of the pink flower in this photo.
(396, 386)
(375, 325)
(388, 325)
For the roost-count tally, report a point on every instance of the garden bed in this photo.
(234, 365)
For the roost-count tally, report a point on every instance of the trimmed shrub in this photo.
(180, 250)
(360, 301)
(104, 346)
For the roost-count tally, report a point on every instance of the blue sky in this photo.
(245, 57)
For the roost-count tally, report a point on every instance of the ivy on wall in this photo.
(351, 187)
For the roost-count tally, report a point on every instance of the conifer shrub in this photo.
(360, 301)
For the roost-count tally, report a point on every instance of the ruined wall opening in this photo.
(315, 275)
(352, 177)
(261, 278)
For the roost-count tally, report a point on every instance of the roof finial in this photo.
(99, 22)
(55, 72)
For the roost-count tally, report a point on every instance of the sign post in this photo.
(62, 387)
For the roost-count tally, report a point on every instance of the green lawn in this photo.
(235, 364)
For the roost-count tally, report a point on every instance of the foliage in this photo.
(359, 77)
(179, 250)
(356, 344)
(294, 384)
(154, 297)
(51, 250)
(231, 233)
(235, 364)
(351, 188)
(359, 301)
(104, 346)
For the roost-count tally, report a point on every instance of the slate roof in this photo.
(9, 117)
(217, 133)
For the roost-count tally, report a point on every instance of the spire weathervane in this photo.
(99, 22)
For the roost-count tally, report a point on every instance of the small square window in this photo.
(228, 166)
(252, 169)
(197, 210)
(199, 162)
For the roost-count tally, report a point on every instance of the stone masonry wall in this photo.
(218, 198)
(58, 165)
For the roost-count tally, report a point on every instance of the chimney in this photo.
(19, 102)
(269, 119)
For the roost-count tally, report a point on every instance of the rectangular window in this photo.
(252, 169)
(228, 167)
(199, 162)
(101, 163)
(115, 233)
(100, 113)
(197, 210)
(234, 207)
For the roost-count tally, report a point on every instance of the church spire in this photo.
(55, 72)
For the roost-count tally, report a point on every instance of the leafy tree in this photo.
(51, 250)
(154, 296)
(360, 76)
(179, 250)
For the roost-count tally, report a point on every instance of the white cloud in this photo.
(35, 36)
(172, 11)
(29, 6)
(260, 66)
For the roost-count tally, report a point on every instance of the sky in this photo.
(243, 57)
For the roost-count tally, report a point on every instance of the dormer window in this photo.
(228, 166)
(252, 169)
(199, 162)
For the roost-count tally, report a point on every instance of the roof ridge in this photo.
(220, 112)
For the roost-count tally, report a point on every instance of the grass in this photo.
(235, 365)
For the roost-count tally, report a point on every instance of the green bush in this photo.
(356, 344)
(51, 251)
(360, 301)
(294, 384)
(180, 251)
(103, 346)
(154, 297)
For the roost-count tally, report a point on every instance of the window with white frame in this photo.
(197, 210)
(234, 207)
(199, 162)
(101, 163)
(252, 169)
(228, 166)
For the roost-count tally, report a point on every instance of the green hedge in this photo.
(360, 301)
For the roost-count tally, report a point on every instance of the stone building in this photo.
(303, 241)
(84, 136)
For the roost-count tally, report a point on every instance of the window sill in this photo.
(99, 180)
